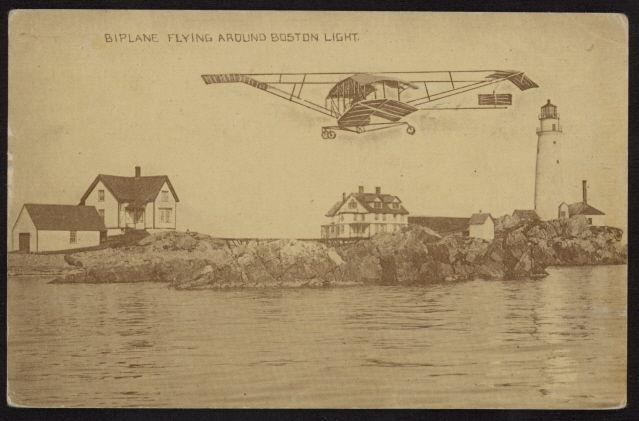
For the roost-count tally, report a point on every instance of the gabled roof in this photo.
(65, 217)
(364, 199)
(479, 218)
(441, 224)
(526, 214)
(137, 191)
(581, 208)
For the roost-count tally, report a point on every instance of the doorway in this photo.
(24, 242)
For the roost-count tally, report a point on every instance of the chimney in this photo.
(361, 189)
(138, 171)
(378, 190)
(584, 188)
(343, 196)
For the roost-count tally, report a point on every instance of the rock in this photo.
(412, 256)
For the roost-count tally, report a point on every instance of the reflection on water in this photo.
(553, 342)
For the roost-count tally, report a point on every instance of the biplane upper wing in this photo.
(439, 85)
(425, 86)
(284, 85)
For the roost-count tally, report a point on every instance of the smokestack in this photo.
(584, 188)
(378, 190)
(361, 189)
(138, 171)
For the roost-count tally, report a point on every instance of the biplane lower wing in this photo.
(292, 96)
(388, 109)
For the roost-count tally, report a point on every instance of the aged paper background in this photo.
(246, 157)
(247, 164)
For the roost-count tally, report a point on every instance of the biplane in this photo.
(364, 102)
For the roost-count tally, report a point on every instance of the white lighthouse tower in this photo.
(549, 192)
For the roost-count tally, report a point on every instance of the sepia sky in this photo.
(249, 164)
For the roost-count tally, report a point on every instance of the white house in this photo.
(482, 225)
(138, 202)
(41, 227)
(593, 215)
(364, 215)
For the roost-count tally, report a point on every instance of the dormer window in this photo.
(378, 205)
(352, 204)
(165, 196)
(395, 205)
(100, 195)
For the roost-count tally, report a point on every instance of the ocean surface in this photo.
(557, 342)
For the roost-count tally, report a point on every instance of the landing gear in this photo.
(410, 130)
(327, 133)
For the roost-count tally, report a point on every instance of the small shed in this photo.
(482, 225)
(44, 227)
(526, 215)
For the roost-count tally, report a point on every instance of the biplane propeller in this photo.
(364, 102)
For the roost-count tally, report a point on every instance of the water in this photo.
(557, 342)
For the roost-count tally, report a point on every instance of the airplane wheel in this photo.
(331, 134)
(410, 130)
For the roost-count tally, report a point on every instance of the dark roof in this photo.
(441, 224)
(65, 217)
(479, 218)
(365, 198)
(526, 214)
(581, 208)
(137, 191)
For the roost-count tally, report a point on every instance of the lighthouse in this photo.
(548, 175)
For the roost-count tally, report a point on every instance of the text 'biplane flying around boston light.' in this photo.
(364, 102)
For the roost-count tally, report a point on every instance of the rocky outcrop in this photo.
(412, 256)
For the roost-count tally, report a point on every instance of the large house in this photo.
(364, 214)
(136, 202)
(41, 227)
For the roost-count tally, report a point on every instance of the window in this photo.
(332, 229)
(100, 195)
(589, 221)
(101, 212)
(378, 205)
(165, 216)
(377, 216)
(362, 217)
(395, 205)
(341, 218)
(164, 196)
(554, 127)
(562, 214)
(395, 217)
(73, 237)
(352, 204)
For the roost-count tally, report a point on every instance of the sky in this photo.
(248, 164)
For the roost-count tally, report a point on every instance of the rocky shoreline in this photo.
(413, 256)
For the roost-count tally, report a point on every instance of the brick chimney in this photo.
(361, 189)
(378, 190)
(584, 189)
(138, 171)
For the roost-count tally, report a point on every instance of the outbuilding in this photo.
(44, 227)
(482, 225)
